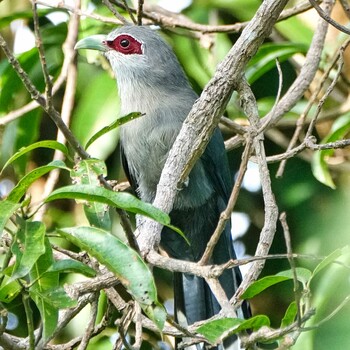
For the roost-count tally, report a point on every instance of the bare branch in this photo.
(328, 19)
(307, 72)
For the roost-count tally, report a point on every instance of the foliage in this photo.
(66, 241)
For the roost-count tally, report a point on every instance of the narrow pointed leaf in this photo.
(260, 285)
(319, 163)
(28, 247)
(7, 209)
(42, 283)
(112, 126)
(303, 275)
(21, 188)
(87, 172)
(41, 144)
(71, 266)
(9, 291)
(56, 298)
(123, 261)
(290, 315)
(330, 259)
(115, 199)
(217, 329)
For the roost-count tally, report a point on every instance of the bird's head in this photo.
(137, 53)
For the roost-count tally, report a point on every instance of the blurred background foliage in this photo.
(317, 213)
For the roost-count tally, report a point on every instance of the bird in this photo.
(150, 80)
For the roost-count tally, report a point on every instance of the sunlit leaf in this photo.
(214, 330)
(42, 283)
(260, 285)
(71, 266)
(120, 121)
(116, 199)
(56, 298)
(319, 163)
(9, 291)
(27, 247)
(87, 172)
(41, 144)
(265, 58)
(7, 208)
(22, 186)
(123, 261)
(303, 275)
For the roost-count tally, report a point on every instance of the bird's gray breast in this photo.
(146, 143)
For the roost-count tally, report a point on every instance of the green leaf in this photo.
(22, 186)
(123, 261)
(121, 200)
(156, 313)
(262, 284)
(290, 315)
(265, 58)
(330, 259)
(87, 172)
(319, 161)
(9, 291)
(41, 144)
(120, 121)
(27, 247)
(303, 275)
(71, 266)
(215, 330)
(7, 208)
(320, 169)
(42, 283)
(56, 297)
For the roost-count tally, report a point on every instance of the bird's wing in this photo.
(216, 166)
(131, 179)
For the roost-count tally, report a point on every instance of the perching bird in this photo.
(151, 81)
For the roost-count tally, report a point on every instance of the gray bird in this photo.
(151, 81)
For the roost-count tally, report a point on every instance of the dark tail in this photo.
(193, 302)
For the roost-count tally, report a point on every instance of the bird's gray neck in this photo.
(138, 97)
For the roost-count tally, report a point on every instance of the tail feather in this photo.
(193, 302)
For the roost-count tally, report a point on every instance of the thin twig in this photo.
(70, 67)
(307, 72)
(328, 19)
(42, 57)
(128, 10)
(37, 96)
(287, 239)
(267, 121)
(138, 327)
(301, 121)
(140, 12)
(89, 330)
(346, 7)
(115, 12)
(271, 210)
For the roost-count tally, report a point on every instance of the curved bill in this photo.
(94, 42)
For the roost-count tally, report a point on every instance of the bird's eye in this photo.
(124, 43)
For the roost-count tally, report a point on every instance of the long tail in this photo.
(194, 301)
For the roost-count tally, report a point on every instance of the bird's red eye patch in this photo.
(125, 44)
